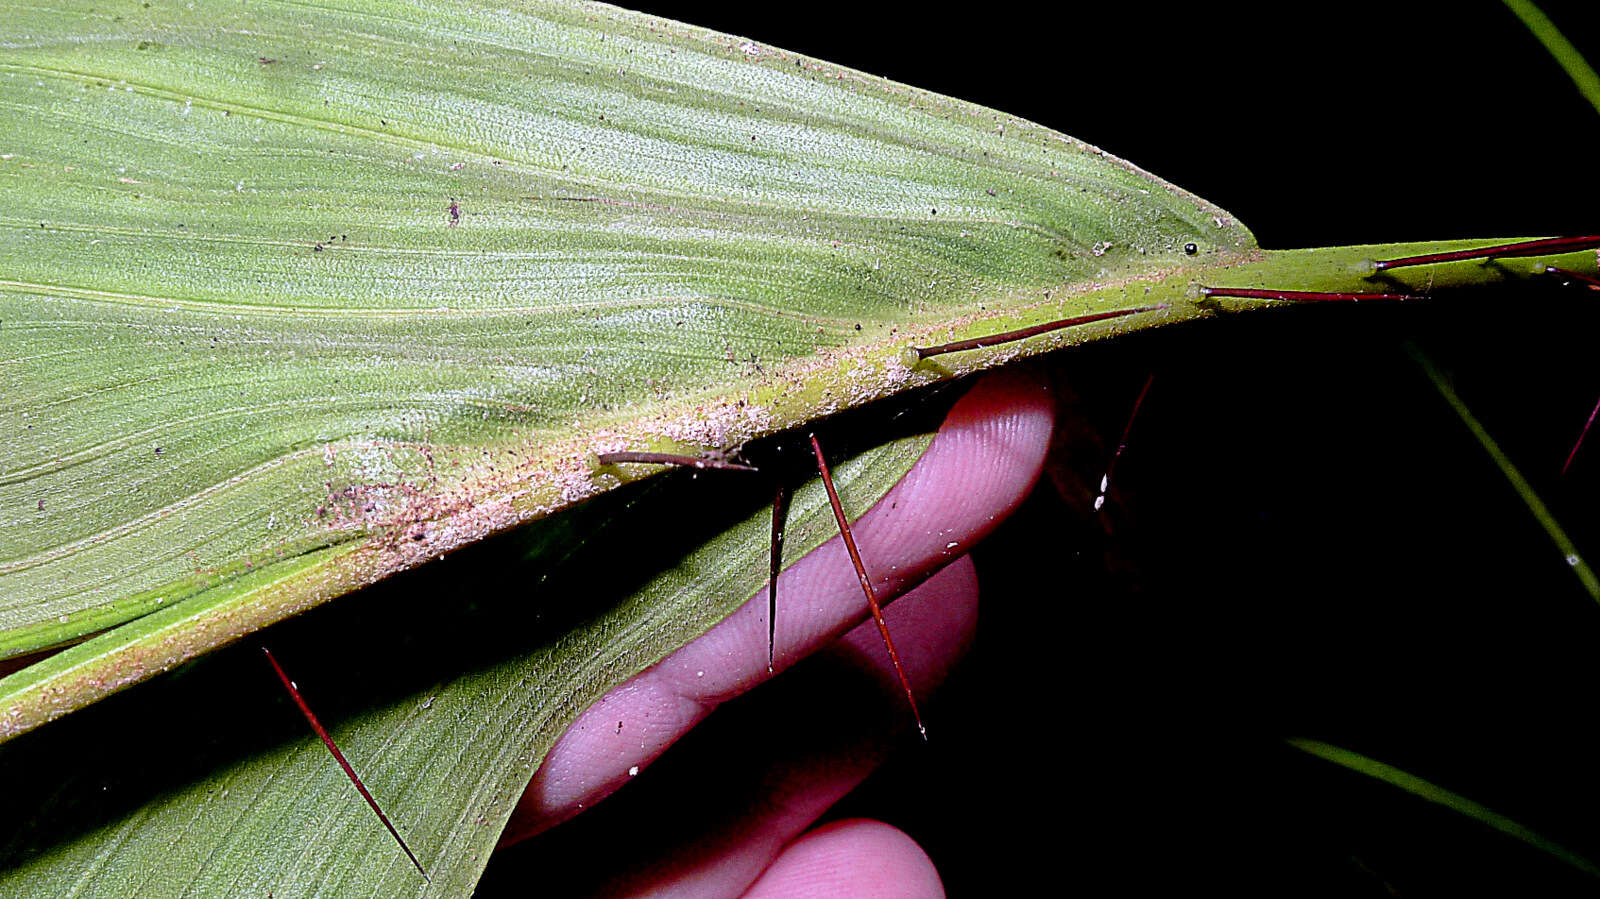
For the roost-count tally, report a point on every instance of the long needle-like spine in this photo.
(350, 772)
(1581, 436)
(1122, 445)
(700, 462)
(1301, 296)
(1549, 246)
(866, 582)
(780, 512)
(977, 343)
(1572, 276)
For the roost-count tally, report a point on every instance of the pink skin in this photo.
(986, 458)
(849, 858)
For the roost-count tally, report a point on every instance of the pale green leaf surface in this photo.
(240, 325)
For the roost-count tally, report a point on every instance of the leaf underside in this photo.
(296, 297)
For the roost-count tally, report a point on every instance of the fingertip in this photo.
(986, 459)
(1011, 411)
(853, 857)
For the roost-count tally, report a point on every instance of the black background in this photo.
(1307, 540)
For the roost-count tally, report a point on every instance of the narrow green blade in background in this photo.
(1438, 795)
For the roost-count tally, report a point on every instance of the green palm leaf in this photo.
(295, 299)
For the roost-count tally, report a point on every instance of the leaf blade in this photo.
(1433, 793)
(242, 325)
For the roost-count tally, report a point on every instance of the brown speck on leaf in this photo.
(455, 212)
(266, 60)
(41, 505)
